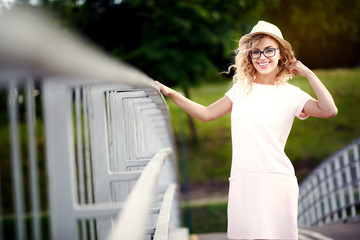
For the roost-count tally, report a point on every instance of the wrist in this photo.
(169, 92)
(310, 74)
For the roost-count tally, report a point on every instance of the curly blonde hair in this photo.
(245, 71)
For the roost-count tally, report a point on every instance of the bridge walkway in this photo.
(336, 231)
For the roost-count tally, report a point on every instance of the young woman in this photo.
(263, 192)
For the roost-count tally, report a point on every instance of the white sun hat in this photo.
(270, 29)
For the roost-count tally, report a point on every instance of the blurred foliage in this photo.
(207, 218)
(176, 42)
(9, 227)
(323, 33)
(179, 42)
(187, 42)
(310, 142)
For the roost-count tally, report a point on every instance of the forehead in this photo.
(265, 42)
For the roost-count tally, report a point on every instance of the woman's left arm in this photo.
(324, 106)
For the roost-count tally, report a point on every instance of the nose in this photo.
(262, 56)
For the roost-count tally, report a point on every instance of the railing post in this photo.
(16, 164)
(103, 123)
(60, 158)
(33, 157)
(356, 163)
(332, 189)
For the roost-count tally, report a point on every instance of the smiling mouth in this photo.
(264, 64)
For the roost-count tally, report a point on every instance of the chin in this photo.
(266, 71)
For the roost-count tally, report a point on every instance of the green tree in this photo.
(324, 33)
(178, 42)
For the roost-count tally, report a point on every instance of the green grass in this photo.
(202, 157)
(206, 218)
(309, 143)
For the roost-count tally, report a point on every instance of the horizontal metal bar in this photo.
(124, 176)
(68, 55)
(98, 210)
(101, 210)
(136, 163)
(144, 156)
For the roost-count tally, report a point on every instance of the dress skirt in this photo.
(263, 206)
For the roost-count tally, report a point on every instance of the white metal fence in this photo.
(87, 146)
(331, 193)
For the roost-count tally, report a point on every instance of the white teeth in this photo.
(263, 64)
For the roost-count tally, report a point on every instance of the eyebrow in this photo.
(265, 47)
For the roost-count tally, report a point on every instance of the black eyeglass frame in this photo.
(262, 52)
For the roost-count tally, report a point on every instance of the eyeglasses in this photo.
(269, 52)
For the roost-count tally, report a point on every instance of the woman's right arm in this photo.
(217, 109)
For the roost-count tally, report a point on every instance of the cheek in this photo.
(277, 60)
(252, 62)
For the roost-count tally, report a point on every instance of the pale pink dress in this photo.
(263, 193)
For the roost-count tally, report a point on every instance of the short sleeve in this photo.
(301, 99)
(230, 93)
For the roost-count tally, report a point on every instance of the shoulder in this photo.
(293, 94)
(230, 92)
(292, 89)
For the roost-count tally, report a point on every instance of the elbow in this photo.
(201, 118)
(204, 120)
(335, 112)
(206, 117)
(332, 113)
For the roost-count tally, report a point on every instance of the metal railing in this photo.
(331, 193)
(87, 146)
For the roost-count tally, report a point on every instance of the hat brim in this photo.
(283, 42)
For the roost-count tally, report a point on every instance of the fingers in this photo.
(160, 85)
(295, 67)
(298, 67)
(294, 63)
(292, 67)
(163, 89)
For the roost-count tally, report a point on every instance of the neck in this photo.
(268, 79)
